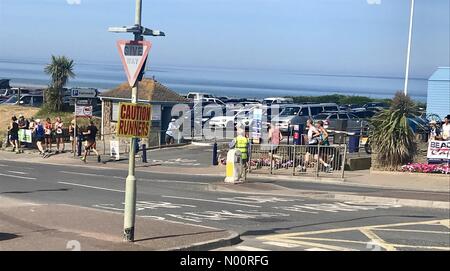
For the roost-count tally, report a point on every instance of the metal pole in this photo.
(75, 139)
(130, 187)
(408, 55)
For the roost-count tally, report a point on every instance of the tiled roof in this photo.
(149, 90)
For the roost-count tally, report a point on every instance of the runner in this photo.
(40, 137)
(59, 125)
(48, 129)
(23, 125)
(90, 134)
(14, 134)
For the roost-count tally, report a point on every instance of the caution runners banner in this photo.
(134, 120)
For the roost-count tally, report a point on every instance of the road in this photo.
(264, 222)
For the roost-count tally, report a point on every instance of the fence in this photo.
(298, 160)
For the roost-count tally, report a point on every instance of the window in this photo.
(289, 111)
(353, 117)
(25, 100)
(333, 116)
(38, 100)
(315, 110)
(343, 116)
(330, 108)
(115, 112)
(304, 112)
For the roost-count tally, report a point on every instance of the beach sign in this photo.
(134, 55)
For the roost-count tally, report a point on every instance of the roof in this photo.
(149, 90)
(441, 74)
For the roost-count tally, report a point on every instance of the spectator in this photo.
(23, 125)
(14, 134)
(171, 129)
(446, 128)
(91, 144)
(48, 130)
(32, 124)
(435, 133)
(59, 126)
(73, 132)
(39, 132)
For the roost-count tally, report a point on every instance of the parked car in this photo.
(34, 100)
(298, 114)
(277, 100)
(364, 114)
(330, 120)
(236, 116)
(196, 96)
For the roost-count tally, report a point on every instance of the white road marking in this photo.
(2, 165)
(18, 177)
(123, 178)
(216, 201)
(93, 187)
(18, 172)
(280, 244)
(247, 248)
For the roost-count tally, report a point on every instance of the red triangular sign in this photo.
(133, 55)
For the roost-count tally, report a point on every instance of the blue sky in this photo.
(317, 36)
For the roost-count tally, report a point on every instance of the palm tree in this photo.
(392, 138)
(60, 69)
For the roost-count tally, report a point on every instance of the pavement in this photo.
(266, 213)
(33, 226)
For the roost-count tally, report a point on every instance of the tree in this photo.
(392, 138)
(60, 69)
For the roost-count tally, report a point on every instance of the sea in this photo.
(230, 82)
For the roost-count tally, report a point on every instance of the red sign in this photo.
(133, 55)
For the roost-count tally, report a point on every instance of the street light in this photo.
(408, 54)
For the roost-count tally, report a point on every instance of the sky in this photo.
(357, 37)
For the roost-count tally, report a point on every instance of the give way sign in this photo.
(133, 55)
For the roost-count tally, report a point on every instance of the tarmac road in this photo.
(264, 222)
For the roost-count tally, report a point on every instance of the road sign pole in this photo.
(130, 187)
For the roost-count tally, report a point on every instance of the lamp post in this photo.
(130, 186)
(408, 54)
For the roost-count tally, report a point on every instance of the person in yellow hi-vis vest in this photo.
(241, 143)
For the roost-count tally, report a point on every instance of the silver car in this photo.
(330, 121)
(297, 114)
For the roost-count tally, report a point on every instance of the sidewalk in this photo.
(29, 226)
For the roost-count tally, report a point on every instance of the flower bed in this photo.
(426, 168)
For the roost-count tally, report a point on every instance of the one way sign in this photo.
(133, 55)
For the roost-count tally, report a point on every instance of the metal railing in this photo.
(298, 160)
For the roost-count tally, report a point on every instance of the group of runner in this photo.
(43, 133)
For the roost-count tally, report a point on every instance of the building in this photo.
(160, 97)
(438, 96)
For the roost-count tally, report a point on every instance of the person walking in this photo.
(39, 133)
(91, 144)
(14, 134)
(48, 130)
(59, 126)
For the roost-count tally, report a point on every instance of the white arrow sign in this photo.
(133, 55)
